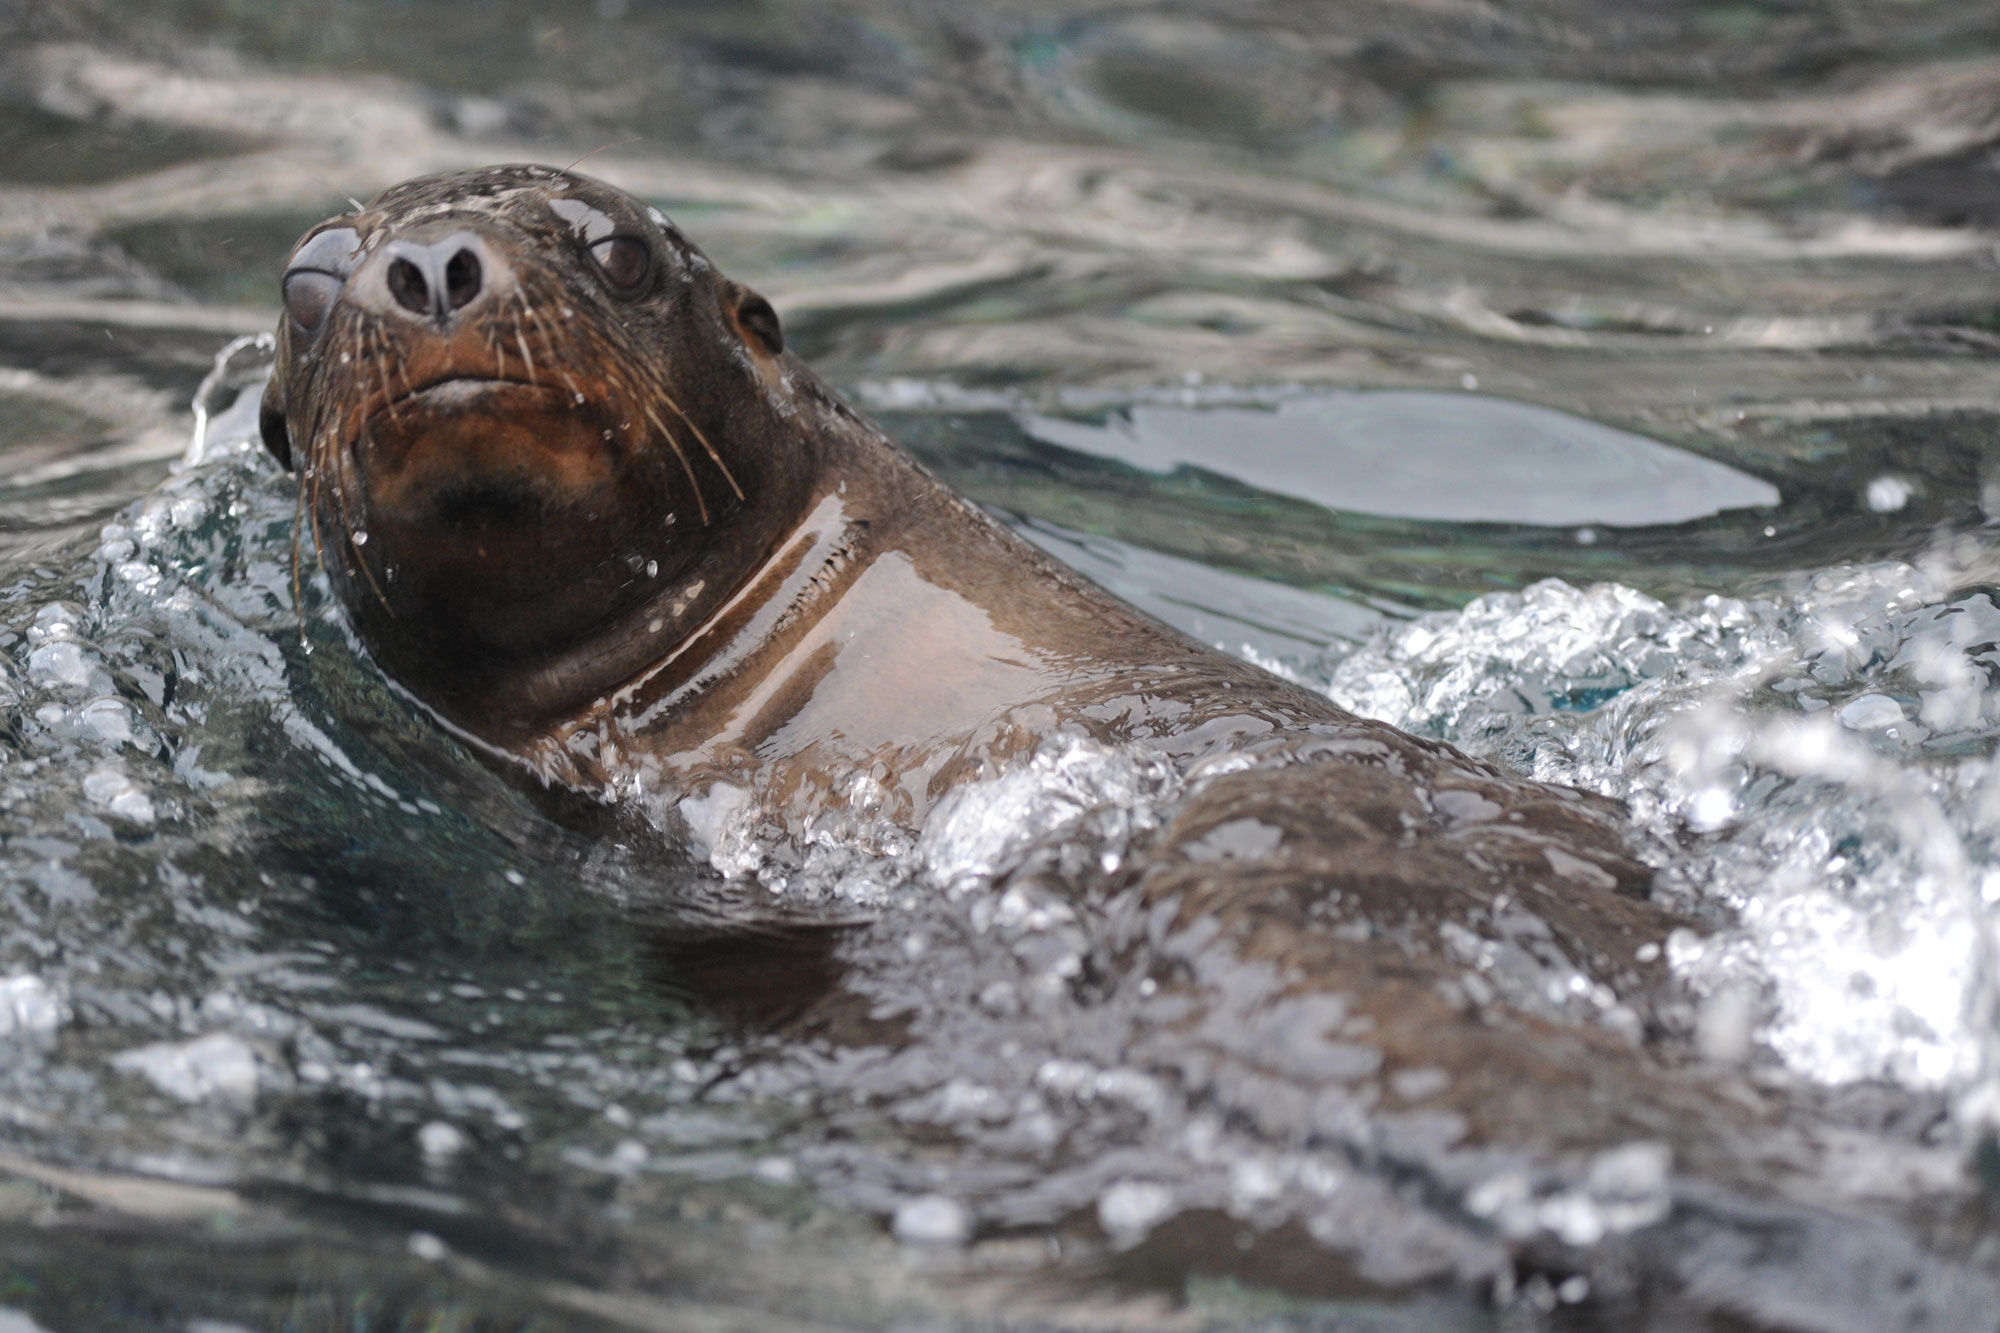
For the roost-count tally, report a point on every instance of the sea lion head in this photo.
(538, 435)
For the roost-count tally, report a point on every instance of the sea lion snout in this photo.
(433, 278)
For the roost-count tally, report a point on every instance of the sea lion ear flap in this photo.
(271, 425)
(756, 320)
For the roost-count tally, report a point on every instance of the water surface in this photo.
(1609, 394)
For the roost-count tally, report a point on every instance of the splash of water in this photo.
(1815, 767)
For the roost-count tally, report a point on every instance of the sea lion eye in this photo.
(625, 261)
(318, 271)
(309, 295)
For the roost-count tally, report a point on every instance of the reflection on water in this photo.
(1650, 354)
(1454, 459)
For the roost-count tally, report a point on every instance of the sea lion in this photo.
(579, 500)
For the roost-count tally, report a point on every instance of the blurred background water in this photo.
(1608, 389)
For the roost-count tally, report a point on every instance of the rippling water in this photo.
(1609, 394)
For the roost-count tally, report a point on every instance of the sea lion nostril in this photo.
(407, 285)
(461, 280)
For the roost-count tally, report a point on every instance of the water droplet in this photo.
(217, 1067)
(931, 1220)
(1887, 494)
(28, 1005)
(1131, 1208)
(440, 1139)
(1711, 808)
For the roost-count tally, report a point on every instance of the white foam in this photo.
(219, 1067)
(1845, 833)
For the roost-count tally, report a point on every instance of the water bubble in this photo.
(982, 827)
(27, 1005)
(1872, 712)
(776, 1170)
(108, 720)
(440, 1139)
(932, 1219)
(1712, 808)
(63, 664)
(1857, 875)
(1727, 1025)
(1129, 1209)
(219, 1067)
(1887, 494)
(116, 791)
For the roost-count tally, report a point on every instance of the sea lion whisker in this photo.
(319, 542)
(298, 594)
(381, 360)
(333, 466)
(402, 366)
(354, 537)
(528, 309)
(716, 457)
(701, 501)
(521, 341)
(385, 355)
(548, 339)
(604, 149)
